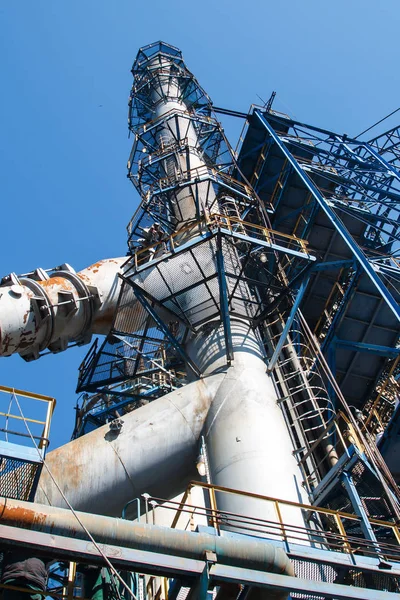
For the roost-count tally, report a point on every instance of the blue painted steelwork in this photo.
(224, 304)
(332, 265)
(326, 206)
(388, 145)
(177, 153)
(357, 505)
(371, 348)
(353, 279)
(160, 323)
(286, 584)
(288, 324)
(318, 180)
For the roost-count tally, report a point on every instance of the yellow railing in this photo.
(44, 422)
(378, 415)
(324, 528)
(218, 221)
(25, 591)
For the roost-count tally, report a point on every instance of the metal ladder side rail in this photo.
(316, 394)
(297, 432)
(299, 440)
(296, 419)
(306, 373)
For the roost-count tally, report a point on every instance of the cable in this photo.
(371, 450)
(91, 538)
(377, 123)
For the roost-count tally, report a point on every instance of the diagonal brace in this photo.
(178, 347)
(284, 334)
(335, 220)
(224, 303)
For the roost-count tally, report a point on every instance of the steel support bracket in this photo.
(333, 217)
(288, 324)
(358, 508)
(171, 338)
(224, 301)
(201, 590)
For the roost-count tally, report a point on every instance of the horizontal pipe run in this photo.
(41, 312)
(245, 552)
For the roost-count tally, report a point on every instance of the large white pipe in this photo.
(247, 440)
(155, 451)
(166, 100)
(248, 443)
(38, 313)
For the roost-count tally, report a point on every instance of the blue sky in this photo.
(63, 114)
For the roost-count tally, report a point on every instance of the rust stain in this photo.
(6, 342)
(25, 317)
(54, 281)
(68, 468)
(96, 266)
(84, 277)
(18, 516)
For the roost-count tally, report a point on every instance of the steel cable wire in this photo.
(85, 529)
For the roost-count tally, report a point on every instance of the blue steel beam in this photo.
(147, 306)
(339, 315)
(333, 265)
(335, 220)
(366, 347)
(275, 303)
(203, 237)
(284, 334)
(358, 508)
(287, 584)
(265, 244)
(390, 168)
(224, 303)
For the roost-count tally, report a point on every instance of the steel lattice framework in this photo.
(342, 196)
(260, 295)
(162, 166)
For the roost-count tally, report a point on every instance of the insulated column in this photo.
(249, 447)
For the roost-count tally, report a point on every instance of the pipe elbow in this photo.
(49, 310)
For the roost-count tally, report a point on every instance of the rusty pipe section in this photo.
(242, 551)
(48, 310)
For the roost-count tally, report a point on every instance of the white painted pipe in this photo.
(50, 313)
(155, 451)
(248, 444)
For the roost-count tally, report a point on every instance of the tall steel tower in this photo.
(251, 332)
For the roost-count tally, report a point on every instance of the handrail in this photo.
(219, 220)
(34, 396)
(24, 590)
(339, 541)
(51, 403)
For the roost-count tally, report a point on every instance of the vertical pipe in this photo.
(244, 427)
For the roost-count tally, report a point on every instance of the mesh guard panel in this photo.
(18, 478)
